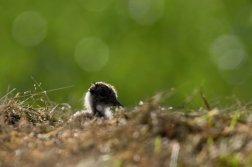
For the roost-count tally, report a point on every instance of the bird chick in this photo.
(98, 100)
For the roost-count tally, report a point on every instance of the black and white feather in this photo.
(98, 100)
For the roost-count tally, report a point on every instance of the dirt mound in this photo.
(146, 136)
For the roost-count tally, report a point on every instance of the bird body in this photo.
(98, 100)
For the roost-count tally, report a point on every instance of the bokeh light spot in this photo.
(91, 54)
(146, 12)
(231, 59)
(95, 5)
(229, 55)
(29, 28)
(227, 52)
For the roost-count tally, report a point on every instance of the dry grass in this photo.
(34, 132)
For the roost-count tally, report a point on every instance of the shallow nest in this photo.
(146, 136)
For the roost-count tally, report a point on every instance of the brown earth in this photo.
(150, 135)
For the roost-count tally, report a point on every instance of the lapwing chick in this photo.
(98, 100)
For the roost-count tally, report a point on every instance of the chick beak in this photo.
(117, 103)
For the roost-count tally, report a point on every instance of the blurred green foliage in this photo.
(139, 46)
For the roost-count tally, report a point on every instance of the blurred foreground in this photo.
(149, 135)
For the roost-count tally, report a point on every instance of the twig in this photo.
(203, 97)
(8, 93)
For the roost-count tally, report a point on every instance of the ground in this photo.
(36, 133)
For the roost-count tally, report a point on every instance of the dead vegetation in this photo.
(34, 132)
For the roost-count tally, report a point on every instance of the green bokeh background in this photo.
(153, 45)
